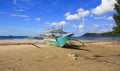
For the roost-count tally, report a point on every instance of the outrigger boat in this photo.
(57, 41)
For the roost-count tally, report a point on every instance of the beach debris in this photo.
(35, 45)
(98, 56)
(73, 56)
(11, 69)
(39, 60)
(103, 59)
(20, 58)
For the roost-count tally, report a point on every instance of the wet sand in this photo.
(34, 55)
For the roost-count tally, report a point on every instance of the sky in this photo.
(34, 17)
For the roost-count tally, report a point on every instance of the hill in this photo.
(106, 34)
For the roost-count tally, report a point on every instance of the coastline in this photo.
(35, 55)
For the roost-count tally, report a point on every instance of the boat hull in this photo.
(60, 42)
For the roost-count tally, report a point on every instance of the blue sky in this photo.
(33, 17)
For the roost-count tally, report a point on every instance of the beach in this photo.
(35, 55)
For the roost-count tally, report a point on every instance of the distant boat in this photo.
(10, 35)
(60, 41)
(35, 36)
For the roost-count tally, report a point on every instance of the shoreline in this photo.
(26, 41)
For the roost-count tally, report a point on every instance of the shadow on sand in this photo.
(34, 45)
(76, 47)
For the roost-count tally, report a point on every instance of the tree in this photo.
(116, 17)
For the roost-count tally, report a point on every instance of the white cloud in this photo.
(54, 24)
(110, 18)
(81, 13)
(19, 10)
(37, 19)
(104, 18)
(48, 24)
(96, 25)
(81, 26)
(83, 20)
(14, 2)
(23, 5)
(74, 26)
(106, 6)
(107, 25)
(100, 17)
(102, 28)
(91, 16)
(72, 17)
(80, 10)
(61, 23)
(81, 30)
(20, 15)
(98, 28)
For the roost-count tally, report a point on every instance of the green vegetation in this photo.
(108, 34)
(116, 16)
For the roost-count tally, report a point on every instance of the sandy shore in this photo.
(34, 55)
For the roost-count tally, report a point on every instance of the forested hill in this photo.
(107, 34)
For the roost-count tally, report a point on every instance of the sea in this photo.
(74, 38)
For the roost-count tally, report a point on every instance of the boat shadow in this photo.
(76, 47)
